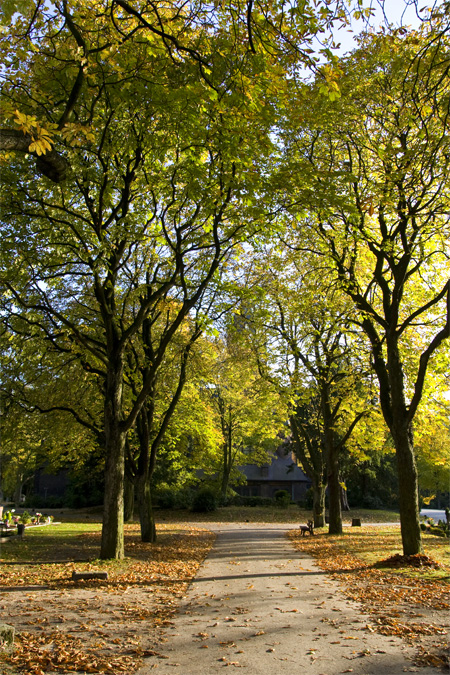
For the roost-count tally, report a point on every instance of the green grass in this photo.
(52, 543)
(68, 541)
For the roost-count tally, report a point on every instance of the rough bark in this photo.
(402, 435)
(112, 544)
(334, 491)
(318, 489)
(52, 165)
(408, 493)
(146, 515)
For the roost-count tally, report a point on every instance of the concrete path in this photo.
(259, 604)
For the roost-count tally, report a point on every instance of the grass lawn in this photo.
(372, 545)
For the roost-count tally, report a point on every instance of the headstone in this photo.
(86, 576)
(6, 637)
(356, 522)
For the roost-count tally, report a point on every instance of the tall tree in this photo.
(149, 214)
(301, 333)
(164, 393)
(377, 160)
(247, 409)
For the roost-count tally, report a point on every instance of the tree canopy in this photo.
(149, 151)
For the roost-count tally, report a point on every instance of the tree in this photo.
(150, 214)
(300, 330)
(50, 415)
(378, 160)
(165, 391)
(247, 409)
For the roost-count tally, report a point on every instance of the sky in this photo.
(396, 12)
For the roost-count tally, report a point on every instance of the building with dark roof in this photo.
(282, 473)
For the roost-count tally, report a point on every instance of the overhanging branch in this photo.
(52, 165)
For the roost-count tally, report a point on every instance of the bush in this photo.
(25, 517)
(437, 531)
(257, 501)
(172, 498)
(235, 500)
(165, 499)
(204, 500)
(282, 498)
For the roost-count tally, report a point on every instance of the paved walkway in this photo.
(259, 604)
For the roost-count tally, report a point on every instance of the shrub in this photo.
(282, 498)
(257, 501)
(165, 499)
(204, 500)
(173, 498)
(235, 500)
(437, 531)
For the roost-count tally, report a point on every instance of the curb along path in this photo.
(259, 604)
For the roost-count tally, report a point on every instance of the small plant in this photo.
(204, 501)
(8, 517)
(282, 498)
(25, 518)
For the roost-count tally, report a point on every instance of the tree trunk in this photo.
(318, 489)
(128, 508)
(408, 492)
(146, 515)
(112, 544)
(334, 492)
(402, 434)
(227, 464)
(344, 499)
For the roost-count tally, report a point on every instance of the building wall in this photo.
(267, 489)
